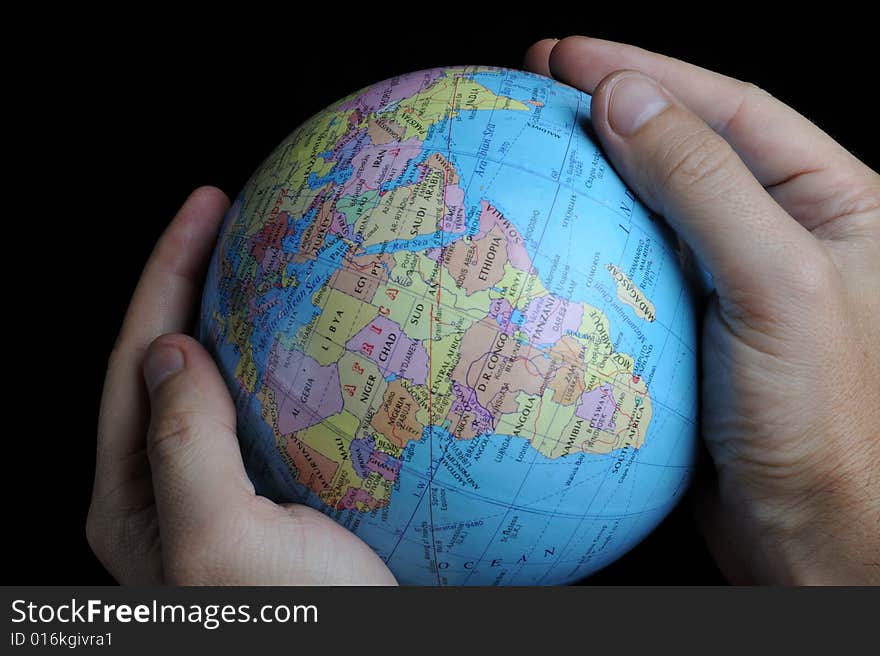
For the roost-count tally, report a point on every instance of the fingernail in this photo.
(634, 100)
(160, 363)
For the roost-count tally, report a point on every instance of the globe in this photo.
(449, 326)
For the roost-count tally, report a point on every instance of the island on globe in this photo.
(449, 326)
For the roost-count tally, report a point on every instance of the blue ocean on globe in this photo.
(449, 326)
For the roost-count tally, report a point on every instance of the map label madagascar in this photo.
(629, 293)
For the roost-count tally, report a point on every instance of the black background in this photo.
(125, 115)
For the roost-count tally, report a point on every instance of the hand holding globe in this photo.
(589, 418)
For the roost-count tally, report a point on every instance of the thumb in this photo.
(197, 468)
(687, 172)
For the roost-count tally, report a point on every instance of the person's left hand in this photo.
(172, 502)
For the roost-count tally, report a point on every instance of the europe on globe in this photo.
(449, 326)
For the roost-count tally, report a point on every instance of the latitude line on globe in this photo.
(547, 513)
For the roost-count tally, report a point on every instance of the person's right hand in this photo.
(788, 224)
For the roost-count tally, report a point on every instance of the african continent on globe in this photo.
(449, 326)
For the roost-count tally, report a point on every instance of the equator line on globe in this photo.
(448, 325)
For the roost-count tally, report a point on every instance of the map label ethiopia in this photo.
(408, 303)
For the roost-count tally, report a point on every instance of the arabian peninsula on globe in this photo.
(449, 326)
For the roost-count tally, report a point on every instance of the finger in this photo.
(163, 302)
(197, 469)
(785, 151)
(537, 59)
(685, 171)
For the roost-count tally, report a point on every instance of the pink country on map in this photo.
(384, 342)
(548, 318)
(597, 406)
(306, 392)
(398, 88)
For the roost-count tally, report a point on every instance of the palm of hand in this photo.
(785, 411)
(788, 223)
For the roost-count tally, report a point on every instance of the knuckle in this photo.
(697, 161)
(861, 198)
(750, 96)
(805, 280)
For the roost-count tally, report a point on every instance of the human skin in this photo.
(784, 218)
(788, 223)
